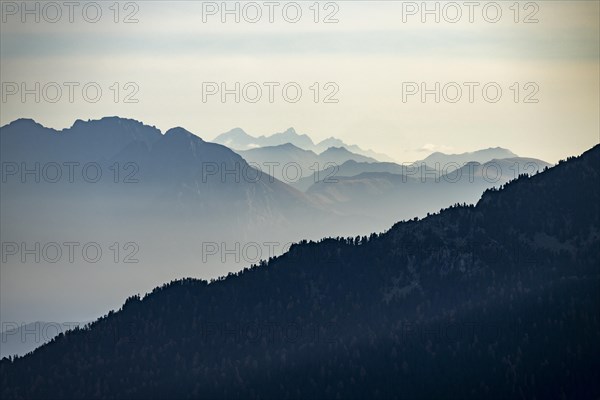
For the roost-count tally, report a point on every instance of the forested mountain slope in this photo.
(497, 300)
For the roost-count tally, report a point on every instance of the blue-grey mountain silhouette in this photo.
(238, 139)
(494, 300)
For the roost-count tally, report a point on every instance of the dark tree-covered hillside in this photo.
(496, 300)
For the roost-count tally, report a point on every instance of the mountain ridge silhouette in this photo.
(486, 300)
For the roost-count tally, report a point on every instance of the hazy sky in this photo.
(367, 56)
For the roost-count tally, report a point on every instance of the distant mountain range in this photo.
(495, 300)
(169, 168)
(172, 193)
(413, 189)
(294, 159)
(180, 176)
(480, 156)
(186, 207)
(290, 163)
(237, 139)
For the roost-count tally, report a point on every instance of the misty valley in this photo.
(364, 278)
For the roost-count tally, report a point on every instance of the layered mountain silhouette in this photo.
(176, 172)
(177, 176)
(384, 191)
(290, 163)
(495, 170)
(162, 198)
(238, 139)
(172, 194)
(496, 300)
(480, 156)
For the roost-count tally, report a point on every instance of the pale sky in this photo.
(368, 56)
